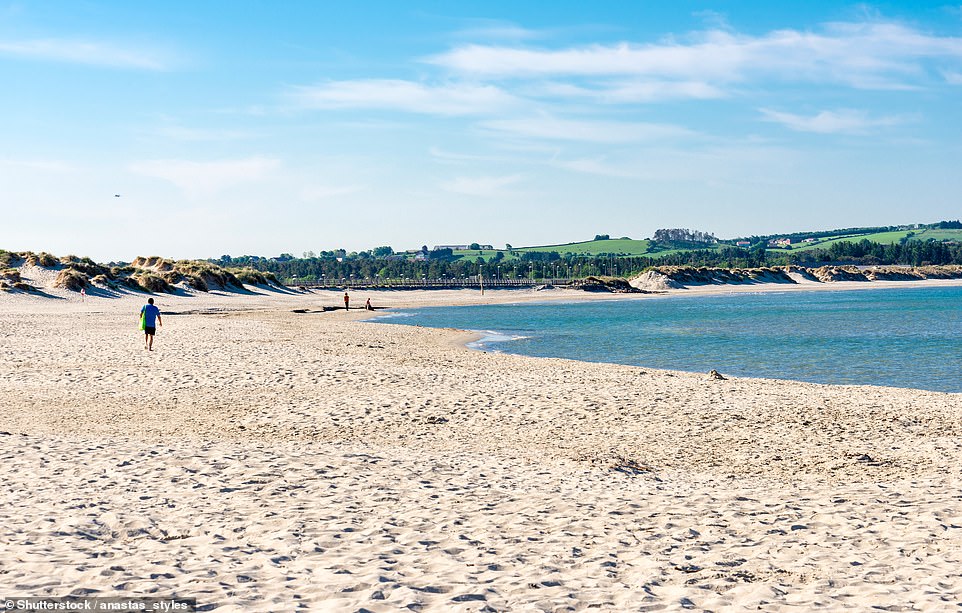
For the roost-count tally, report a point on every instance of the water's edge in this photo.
(886, 338)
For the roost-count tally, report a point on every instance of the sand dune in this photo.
(267, 460)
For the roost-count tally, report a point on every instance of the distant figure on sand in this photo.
(83, 294)
(367, 305)
(150, 313)
(347, 301)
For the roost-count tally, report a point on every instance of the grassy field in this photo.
(620, 246)
(823, 243)
(880, 237)
(939, 235)
(630, 247)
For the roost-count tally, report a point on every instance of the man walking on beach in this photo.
(148, 315)
(347, 301)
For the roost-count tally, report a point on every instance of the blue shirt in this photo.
(150, 313)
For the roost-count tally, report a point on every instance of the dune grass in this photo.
(71, 279)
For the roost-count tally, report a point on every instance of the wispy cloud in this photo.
(591, 131)
(953, 78)
(409, 96)
(715, 163)
(493, 29)
(595, 166)
(487, 187)
(54, 166)
(319, 193)
(845, 121)
(92, 53)
(177, 132)
(204, 178)
(871, 54)
(628, 91)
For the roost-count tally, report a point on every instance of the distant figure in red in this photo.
(347, 302)
(367, 305)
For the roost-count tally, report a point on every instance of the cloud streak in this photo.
(487, 187)
(409, 96)
(206, 178)
(91, 53)
(862, 54)
(844, 121)
(589, 131)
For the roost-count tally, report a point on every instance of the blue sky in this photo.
(250, 127)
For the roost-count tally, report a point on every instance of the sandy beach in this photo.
(262, 459)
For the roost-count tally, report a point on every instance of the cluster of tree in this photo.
(910, 253)
(947, 225)
(540, 256)
(441, 264)
(530, 265)
(799, 236)
(683, 235)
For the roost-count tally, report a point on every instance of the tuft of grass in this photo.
(85, 265)
(155, 274)
(45, 260)
(154, 261)
(172, 277)
(249, 276)
(103, 280)
(151, 282)
(210, 274)
(71, 279)
(197, 282)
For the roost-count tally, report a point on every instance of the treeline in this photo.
(799, 236)
(911, 253)
(552, 265)
(852, 232)
(530, 265)
(683, 235)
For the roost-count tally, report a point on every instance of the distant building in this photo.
(809, 240)
(743, 244)
(462, 247)
(780, 242)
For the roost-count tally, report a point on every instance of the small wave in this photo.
(392, 316)
(493, 337)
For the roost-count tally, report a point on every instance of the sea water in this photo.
(901, 337)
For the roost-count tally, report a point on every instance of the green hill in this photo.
(882, 238)
(626, 247)
(621, 247)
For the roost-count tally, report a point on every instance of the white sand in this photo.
(263, 460)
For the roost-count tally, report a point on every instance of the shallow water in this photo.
(901, 337)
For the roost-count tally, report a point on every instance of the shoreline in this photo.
(471, 338)
(261, 457)
(453, 297)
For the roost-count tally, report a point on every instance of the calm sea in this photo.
(909, 337)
